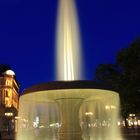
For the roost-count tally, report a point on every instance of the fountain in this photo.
(68, 109)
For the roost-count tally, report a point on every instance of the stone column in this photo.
(70, 127)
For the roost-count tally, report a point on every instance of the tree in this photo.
(129, 60)
(124, 76)
(3, 68)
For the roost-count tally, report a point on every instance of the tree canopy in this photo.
(124, 76)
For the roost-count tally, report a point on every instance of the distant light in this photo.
(8, 114)
(88, 113)
(135, 123)
(107, 107)
(10, 72)
(132, 115)
(41, 126)
(36, 122)
(119, 123)
(57, 125)
(138, 122)
(17, 117)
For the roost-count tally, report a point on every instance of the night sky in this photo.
(27, 35)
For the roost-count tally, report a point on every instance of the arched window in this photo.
(8, 82)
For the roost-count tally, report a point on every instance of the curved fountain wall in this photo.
(78, 110)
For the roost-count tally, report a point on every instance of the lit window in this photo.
(8, 82)
(7, 99)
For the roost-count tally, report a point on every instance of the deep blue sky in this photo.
(27, 35)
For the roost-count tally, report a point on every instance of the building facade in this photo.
(9, 100)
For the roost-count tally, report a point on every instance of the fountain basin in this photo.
(72, 110)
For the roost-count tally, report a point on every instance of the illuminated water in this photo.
(68, 43)
(69, 114)
(64, 112)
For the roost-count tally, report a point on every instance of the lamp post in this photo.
(8, 116)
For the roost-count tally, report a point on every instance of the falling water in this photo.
(68, 44)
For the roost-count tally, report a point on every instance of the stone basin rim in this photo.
(59, 85)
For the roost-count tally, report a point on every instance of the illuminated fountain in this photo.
(68, 43)
(68, 109)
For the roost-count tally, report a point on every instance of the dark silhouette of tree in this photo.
(129, 60)
(3, 68)
(124, 76)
